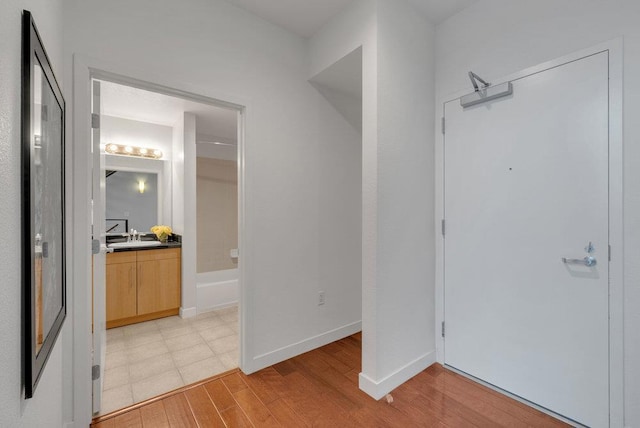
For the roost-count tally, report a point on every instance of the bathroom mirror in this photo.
(138, 194)
(131, 201)
(43, 196)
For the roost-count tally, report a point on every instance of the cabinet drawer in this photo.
(162, 254)
(123, 257)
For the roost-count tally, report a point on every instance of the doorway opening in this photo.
(156, 326)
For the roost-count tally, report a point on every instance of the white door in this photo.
(526, 181)
(99, 268)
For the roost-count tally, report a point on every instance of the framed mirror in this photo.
(131, 201)
(130, 206)
(43, 195)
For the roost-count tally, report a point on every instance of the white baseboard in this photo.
(217, 307)
(270, 358)
(378, 389)
(188, 312)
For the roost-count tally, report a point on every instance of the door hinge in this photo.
(95, 372)
(443, 125)
(95, 121)
(609, 252)
(95, 246)
(442, 328)
(443, 227)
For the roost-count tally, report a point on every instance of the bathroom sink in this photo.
(136, 244)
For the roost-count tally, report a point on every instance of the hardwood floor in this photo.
(320, 389)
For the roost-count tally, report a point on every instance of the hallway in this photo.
(319, 388)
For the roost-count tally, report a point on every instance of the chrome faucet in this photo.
(134, 236)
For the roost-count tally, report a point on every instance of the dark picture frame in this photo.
(43, 198)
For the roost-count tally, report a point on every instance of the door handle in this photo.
(588, 261)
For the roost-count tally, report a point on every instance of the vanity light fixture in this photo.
(118, 149)
(141, 186)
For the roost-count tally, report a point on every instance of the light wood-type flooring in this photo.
(320, 389)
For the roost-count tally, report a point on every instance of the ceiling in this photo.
(438, 11)
(146, 106)
(216, 127)
(306, 17)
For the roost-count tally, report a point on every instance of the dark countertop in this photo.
(156, 247)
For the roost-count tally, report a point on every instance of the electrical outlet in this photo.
(320, 298)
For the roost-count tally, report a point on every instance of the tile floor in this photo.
(154, 357)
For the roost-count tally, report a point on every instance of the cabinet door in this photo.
(158, 282)
(121, 291)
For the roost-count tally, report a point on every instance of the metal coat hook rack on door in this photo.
(486, 93)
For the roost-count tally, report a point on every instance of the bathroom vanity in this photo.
(143, 284)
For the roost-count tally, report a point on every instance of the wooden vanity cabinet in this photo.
(142, 285)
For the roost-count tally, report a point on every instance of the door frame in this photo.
(86, 68)
(616, 235)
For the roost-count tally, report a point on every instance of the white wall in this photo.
(348, 105)
(177, 175)
(187, 209)
(52, 397)
(294, 140)
(184, 197)
(406, 250)
(397, 183)
(495, 38)
(341, 85)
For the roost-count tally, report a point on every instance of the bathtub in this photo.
(216, 290)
